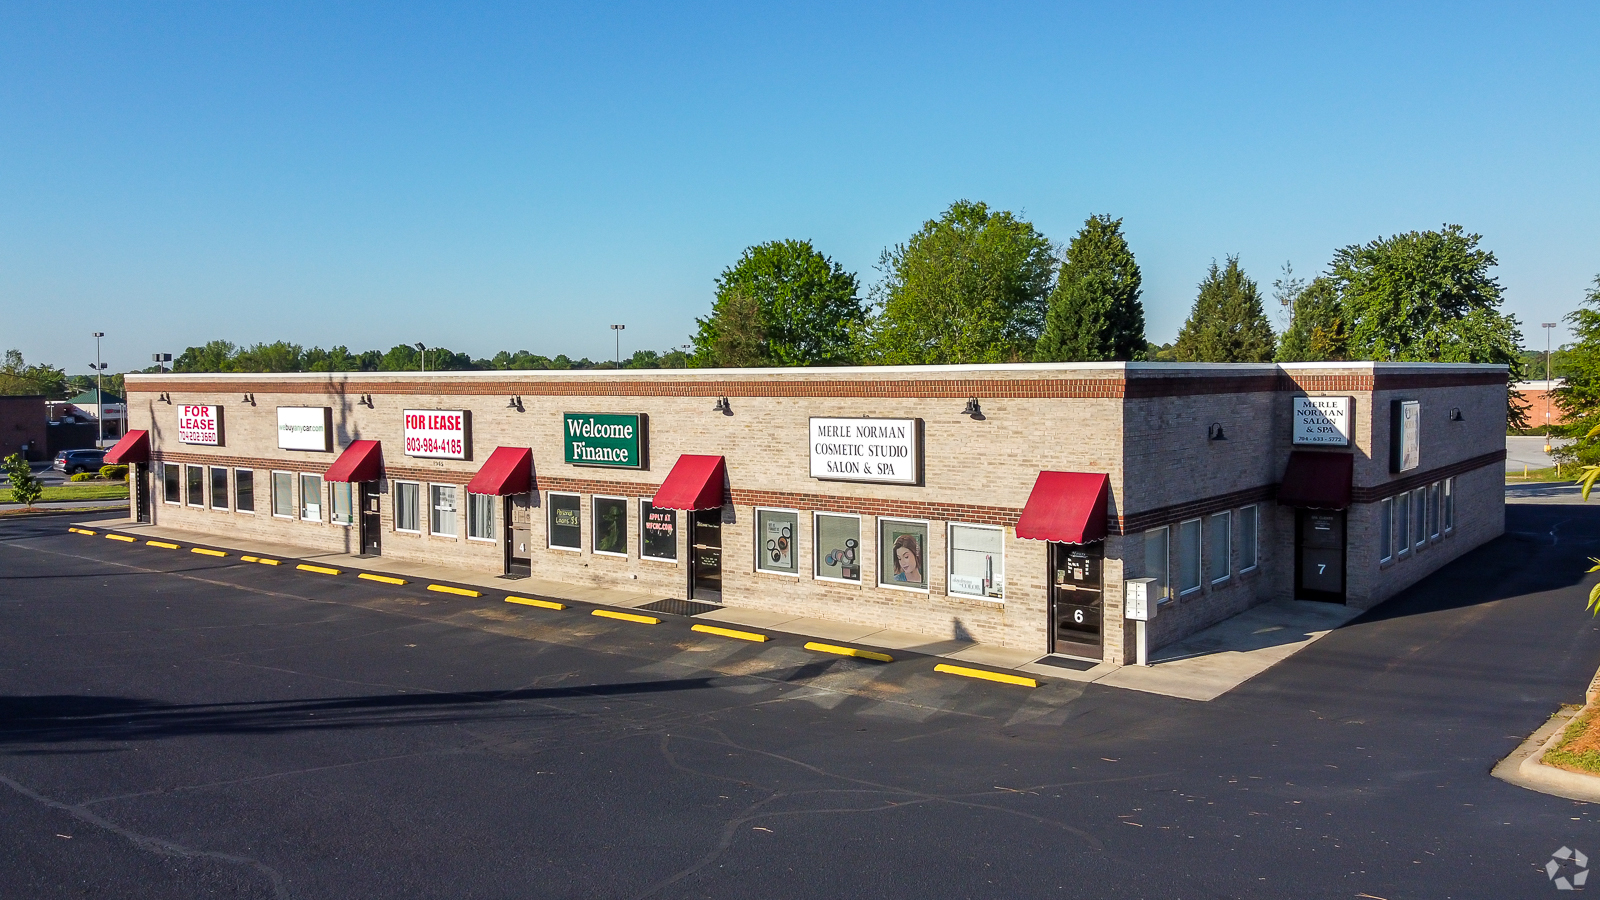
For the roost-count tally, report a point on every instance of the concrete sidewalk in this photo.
(1202, 667)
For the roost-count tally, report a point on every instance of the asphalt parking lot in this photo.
(176, 725)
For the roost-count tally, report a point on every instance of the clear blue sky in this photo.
(521, 176)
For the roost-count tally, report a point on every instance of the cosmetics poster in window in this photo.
(776, 539)
(903, 553)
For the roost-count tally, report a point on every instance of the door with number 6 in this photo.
(1077, 599)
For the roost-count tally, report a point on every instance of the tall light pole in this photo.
(161, 360)
(99, 395)
(424, 357)
(1547, 326)
(617, 330)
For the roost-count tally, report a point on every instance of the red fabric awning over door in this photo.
(695, 482)
(133, 448)
(361, 461)
(508, 470)
(1315, 480)
(1069, 507)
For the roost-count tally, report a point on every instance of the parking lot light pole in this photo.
(424, 349)
(617, 330)
(99, 394)
(1547, 326)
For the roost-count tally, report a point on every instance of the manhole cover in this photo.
(681, 607)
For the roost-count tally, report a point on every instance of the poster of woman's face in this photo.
(902, 559)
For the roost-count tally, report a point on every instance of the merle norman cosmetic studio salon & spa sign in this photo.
(883, 451)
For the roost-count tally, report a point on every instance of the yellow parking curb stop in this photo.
(447, 589)
(119, 537)
(163, 545)
(206, 552)
(729, 632)
(542, 604)
(321, 570)
(627, 617)
(849, 651)
(383, 578)
(81, 531)
(986, 675)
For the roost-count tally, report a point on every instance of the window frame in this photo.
(1254, 511)
(303, 476)
(394, 488)
(549, 521)
(594, 524)
(816, 548)
(189, 472)
(455, 510)
(759, 545)
(274, 495)
(1419, 516)
(1385, 530)
(349, 490)
(1402, 517)
(643, 519)
(251, 473)
(1435, 512)
(1199, 556)
(494, 518)
(175, 484)
(211, 489)
(1166, 594)
(877, 570)
(1448, 511)
(1227, 550)
(950, 560)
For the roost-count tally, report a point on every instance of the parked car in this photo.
(74, 461)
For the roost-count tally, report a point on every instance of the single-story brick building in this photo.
(1009, 504)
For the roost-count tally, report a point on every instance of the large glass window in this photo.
(480, 517)
(171, 486)
(407, 506)
(658, 532)
(838, 546)
(566, 522)
(311, 497)
(219, 488)
(1249, 537)
(610, 525)
(1385, 529)
(1419, 511)
(777, 530)
(195, 478)
(1402, 522)
(1219, 558)
(343, 502)
(977, 562)
(1433, 510)
(1449, 505)
(442, 510)
(1189, 556)
(244, 490)
(1155, 562)
(283, 494)
(902, 553)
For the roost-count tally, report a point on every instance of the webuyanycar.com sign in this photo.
(603, 439)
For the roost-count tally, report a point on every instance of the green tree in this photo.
(279, 356)
(1094, 312)
(1579, 398)
(740, 338)
(1227, 323)
(1317, 330)
(17, 377)
(25, 488)
(215, 356)
(810, 311)
(968, 287)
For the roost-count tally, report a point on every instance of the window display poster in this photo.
(775, 547)
(977, 561)
(839, 547)
(566, 522)
(659, 532)
(902, 553)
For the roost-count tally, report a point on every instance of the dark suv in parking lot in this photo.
(74, 461)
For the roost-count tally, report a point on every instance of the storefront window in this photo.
(311, 498)
(776, 533)
(838, 546)
(283, 494)
(195, 478)
(1155, 562)
(1189, 556)
(902, 553)
(566, 522)
(1449, 505)
(480, 517)
(244, 490)
(1249, 537)
(1419, 510)
(1433, 510)
(219, 488)
(343, 508)
(1402, 522)
(442, 510)
(611, 526)
(977, 562)
(1385, 530)
(170, 486)
(1221, 547)
(407, 506)
(658, 532)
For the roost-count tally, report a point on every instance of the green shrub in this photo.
(86, 476)
(25, 488)
(114, 473)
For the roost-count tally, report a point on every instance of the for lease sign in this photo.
(200, 425)
(1322, 421)
(436, 433)
(876, 450)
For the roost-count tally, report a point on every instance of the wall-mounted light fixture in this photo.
(366, 400)
(165, 397)
(250, 399)
(1214, 433)
(1455, 413)
(973, 409)
(723, 407)
(515, 403)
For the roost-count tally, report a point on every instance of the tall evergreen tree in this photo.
(1227, 323)
(1094, 312)
(1317, 331)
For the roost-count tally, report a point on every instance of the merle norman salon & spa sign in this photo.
(875, 450)
(604, 439)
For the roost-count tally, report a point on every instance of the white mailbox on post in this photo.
(1139, 603)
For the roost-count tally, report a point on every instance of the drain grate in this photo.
(681, 607)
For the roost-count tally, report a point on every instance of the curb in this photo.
(1525, 769)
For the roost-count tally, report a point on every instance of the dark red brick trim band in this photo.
(1401, 485)
(1178, 512)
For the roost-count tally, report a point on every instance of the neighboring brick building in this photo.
(1171, 472)
(22, 425)
(1542, 408)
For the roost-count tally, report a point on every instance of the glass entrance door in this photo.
(1077, 599)
(141, 488)
(519, 528)
(371, 520)
(1319, 555)
(705, 556)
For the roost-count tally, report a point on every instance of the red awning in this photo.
(1069, 507)
(508, 470)
(133, 448)
(695, 482)
(1317, 480)
(361, 461)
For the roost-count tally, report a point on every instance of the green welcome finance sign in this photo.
(604, 439)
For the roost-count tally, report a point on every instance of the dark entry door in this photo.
(1319, 555)
(371, 520)
(1077, 599)
(141, 487)
(705, 557)
(519, 531)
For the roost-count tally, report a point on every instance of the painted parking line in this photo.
(320, 570)
(849, 651)
(386, 579)
(533, 601)
(207, 552)
(965, 672)
(119, 537)
(732, 633)
(163, 545)
(627, 617)
(447, 589)
(81, 531)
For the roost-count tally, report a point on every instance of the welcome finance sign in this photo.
(603, 439)
(884, 451)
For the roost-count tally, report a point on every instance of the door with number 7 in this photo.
(1319, 555)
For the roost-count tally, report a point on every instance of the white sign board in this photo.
(1322, 421)
(875, 450)
(1138, 600)
(1406, 423)
(200, 425)
(436, 433)
(303, 428)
